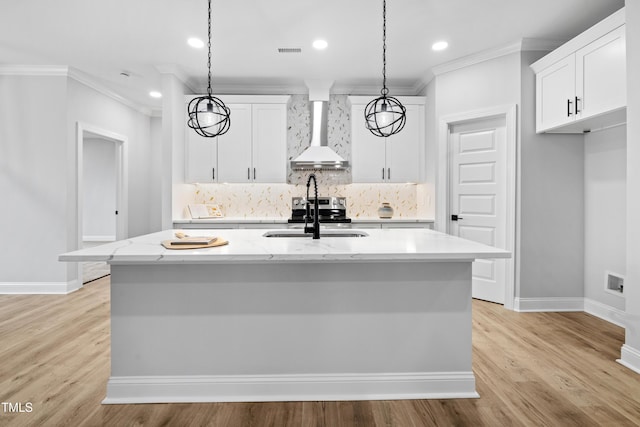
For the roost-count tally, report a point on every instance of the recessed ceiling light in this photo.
(320, 44)
(441, 45)
(155, 94)
(196, 43)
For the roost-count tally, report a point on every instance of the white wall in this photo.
(38, 186)
(487, 84)
(33, 162)
(605, 212)
(175, 193)
(631, 349)
(431, 153)
(491, 83)
(549, 263)
(155, 184)
(91, 107)
(551, 220)
(99, 190)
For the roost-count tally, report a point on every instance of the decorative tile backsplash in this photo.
(274, 200)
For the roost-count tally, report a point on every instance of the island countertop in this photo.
(250, 246)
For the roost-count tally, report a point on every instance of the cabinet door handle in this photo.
(213, 173)
(254, 174)
(383, 174)
(388, 173)
(569, 113)
(576, 105)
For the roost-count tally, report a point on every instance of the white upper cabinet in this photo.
(555, 93)
(253, 150)
(403, 149)
(269, 143)
(234, 147)
(581, 86)
(201, 155)
(368, 156)
(601, 74)
(396, 159)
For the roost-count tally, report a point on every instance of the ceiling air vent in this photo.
(289, 50)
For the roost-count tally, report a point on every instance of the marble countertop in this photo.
(280, 220)
(250, 246)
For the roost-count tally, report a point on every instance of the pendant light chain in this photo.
(208, 116)
(209, 91)
(384, 90)
(385, 115)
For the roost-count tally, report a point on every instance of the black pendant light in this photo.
(208, 115)
(385, 115)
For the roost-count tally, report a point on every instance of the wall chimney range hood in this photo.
(318, 155)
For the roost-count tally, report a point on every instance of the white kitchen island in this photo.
(386, 316)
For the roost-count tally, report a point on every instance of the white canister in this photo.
(385, 211)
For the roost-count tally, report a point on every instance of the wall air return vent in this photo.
(614, 283)
(289, 50)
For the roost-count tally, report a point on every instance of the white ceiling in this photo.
(141, 37)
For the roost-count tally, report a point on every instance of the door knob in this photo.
(455, 217)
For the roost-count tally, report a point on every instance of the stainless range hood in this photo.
(318, 155)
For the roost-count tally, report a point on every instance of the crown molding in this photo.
(243, 89)
(177, 71)
(90, 82)
(545, 45)
(419, 88)
(72, 73)
(34, 70)
(525, 44)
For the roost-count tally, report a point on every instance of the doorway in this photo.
(478, 188)
(102, 193)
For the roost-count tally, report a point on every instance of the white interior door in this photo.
(478, 191)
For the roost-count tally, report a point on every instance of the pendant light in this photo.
(385, 115)
(208, 115)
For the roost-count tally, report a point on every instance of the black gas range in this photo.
(331, 210)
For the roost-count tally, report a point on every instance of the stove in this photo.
(330, 210)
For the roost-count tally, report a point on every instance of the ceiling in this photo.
(144, 37)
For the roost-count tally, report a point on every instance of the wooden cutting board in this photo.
(218, 242)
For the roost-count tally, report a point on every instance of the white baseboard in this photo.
(276, 388)
(24, 288)
(630, 357)
(548, 304)
(605, 312)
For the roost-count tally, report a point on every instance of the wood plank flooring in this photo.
(532, 369)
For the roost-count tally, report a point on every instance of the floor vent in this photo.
(289, 50)
(615, 282)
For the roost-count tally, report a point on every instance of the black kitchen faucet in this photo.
(316, 214)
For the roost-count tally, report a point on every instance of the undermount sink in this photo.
(323, 233)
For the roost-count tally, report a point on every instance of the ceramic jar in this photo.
(385, 211)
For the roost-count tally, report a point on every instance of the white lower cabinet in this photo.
(394, 224)
(253, 150)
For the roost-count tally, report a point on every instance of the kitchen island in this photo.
(385, 316)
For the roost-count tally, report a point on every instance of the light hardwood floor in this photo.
(532, 369)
